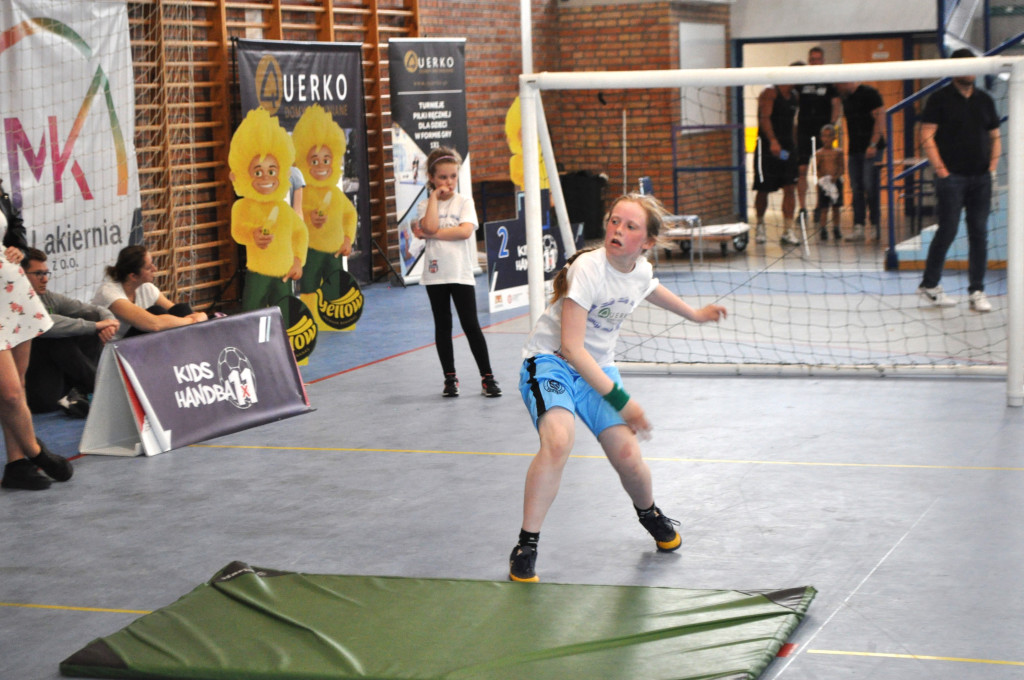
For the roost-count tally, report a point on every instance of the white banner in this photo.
(68, 121)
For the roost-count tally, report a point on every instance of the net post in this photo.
(1015, 240)
(554, 183)
(528, 94)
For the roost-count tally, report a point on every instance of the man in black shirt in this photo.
(960, 136)
(865, 124)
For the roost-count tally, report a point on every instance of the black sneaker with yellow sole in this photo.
(522, 564)
(663, 529)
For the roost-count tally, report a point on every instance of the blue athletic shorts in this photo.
(547, 381)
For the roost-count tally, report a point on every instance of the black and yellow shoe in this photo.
(521, 564)
(663, 529)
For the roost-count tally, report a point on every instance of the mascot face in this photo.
(259, 149)
(320, 145)
(320, 162)
(265, 174)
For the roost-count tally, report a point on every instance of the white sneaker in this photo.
(759, 234)
(858, 233)
(979, 302)
(789, 238)
(936, 298)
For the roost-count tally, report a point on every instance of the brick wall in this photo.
(586, 131)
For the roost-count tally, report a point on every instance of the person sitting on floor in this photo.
(62, 364)
(136, 302)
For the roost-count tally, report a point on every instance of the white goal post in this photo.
(530, 86)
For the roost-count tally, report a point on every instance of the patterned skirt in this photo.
(22, 314)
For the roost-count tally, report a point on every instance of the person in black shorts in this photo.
(775, 158)
(829, 161)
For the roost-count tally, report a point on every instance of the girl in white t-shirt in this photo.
(447, 220)
(569, 370)
(135, 301)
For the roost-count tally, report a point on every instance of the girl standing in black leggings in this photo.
(447, 220)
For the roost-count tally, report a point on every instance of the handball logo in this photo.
(235, 373)
(269, 89)
(554, 386)
(550, 253)
(411, 61)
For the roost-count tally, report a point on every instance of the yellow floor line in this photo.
(104, 610)
(916, 657)
(907, 466)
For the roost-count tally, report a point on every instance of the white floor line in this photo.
(806, 644)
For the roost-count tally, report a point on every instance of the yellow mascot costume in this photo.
(514, 137)
(273, 234)
(331, 221)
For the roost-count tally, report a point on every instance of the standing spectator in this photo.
(829, 161)
(819, 106)
(22, 317)
(775, 159)
(447, 221)
(62, 367)
(960, 136)
(864, 112)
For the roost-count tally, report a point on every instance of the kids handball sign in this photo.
(67, 155)
(224, 375)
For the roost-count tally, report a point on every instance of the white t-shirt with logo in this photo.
(146, 296)
(450, 261)
(609, 295)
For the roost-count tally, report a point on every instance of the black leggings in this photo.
(464, 298)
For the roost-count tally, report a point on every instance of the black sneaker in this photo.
(824, 235)
(837, 235)
(76, 408)
(57, 467)
(663, 529)
(23, 474)
(489, 386)
(451, 386)
(522, 563)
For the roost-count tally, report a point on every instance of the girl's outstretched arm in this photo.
(666, 299)
(574, 328)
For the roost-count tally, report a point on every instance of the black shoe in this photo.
(76, 408)
(489, 386)
(23, 474)
(522, 563)
(451, 386)
(837, 235)
(663, 529)
(824, 235)
(57, 467)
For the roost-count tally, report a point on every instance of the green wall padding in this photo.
(254, 623)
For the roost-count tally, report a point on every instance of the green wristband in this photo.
(617, 398)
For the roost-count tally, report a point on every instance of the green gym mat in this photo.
(254, 623)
